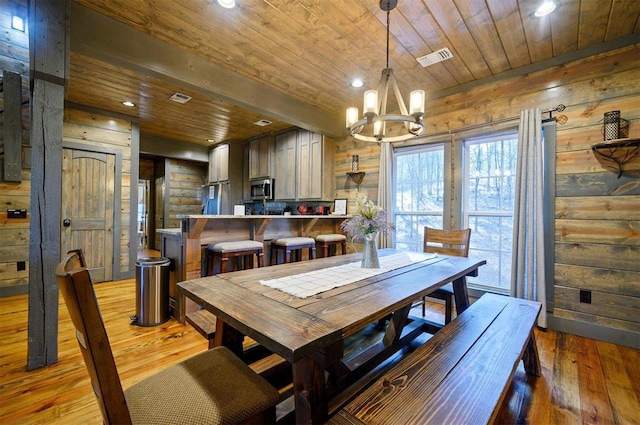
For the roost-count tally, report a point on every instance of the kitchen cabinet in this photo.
(304, 166)
(285, 161)
(260, 157)
(219, 164)
(225, 163)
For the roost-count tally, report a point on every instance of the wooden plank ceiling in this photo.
(292, 61)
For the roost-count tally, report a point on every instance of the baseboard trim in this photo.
(593, 331)
(10, 291)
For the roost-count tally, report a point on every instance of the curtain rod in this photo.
(558, 108)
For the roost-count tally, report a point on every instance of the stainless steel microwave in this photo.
(262, 189)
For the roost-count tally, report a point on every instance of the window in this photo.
(488, 192)
(419, 194)
(423, 197)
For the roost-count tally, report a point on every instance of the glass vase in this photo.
(370, 253)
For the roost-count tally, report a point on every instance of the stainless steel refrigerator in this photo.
(215, 199)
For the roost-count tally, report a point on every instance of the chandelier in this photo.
(372, 126)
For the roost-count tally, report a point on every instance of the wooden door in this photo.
(88, 187)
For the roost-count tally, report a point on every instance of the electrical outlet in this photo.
(585, 296)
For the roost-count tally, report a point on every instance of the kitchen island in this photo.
(186, 245)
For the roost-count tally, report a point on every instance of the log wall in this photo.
(184, 181)
(14, 233)
(597, 219)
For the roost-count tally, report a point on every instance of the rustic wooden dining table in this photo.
(310, 332)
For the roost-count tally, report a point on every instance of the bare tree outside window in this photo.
(488, 170)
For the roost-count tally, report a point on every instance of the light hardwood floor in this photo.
(584, 381)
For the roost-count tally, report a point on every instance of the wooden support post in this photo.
(48, 68)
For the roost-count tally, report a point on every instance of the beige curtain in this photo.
(528, 263)
(384, 189)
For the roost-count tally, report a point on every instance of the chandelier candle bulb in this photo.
(352, 116)
(378, 129)
(370, 103)
(416, 103)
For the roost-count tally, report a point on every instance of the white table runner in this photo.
(307, 284)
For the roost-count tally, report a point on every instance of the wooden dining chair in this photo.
(214, 387)
(447, 242)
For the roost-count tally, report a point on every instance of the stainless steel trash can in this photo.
(152, 291)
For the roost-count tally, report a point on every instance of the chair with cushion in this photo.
(214, 387)
(293, 245)
(328, 244)
(448, 242)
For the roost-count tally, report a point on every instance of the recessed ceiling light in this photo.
(128, 103)
(357, 83)
(211, 140)
(227, 4)
(545, 8)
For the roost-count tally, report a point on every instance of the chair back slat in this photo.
(77, 290)
(447, 242)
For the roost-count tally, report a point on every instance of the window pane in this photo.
(419, 195)
(488, 209)
(409, 233)
(420, 181)
(491, 175)
(491, 238)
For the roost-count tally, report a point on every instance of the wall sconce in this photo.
(18, 21)
(354, 174)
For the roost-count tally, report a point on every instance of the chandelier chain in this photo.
(388, 24)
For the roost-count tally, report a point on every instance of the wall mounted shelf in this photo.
(613, 155)
(357, 177)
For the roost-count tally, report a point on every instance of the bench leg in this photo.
(530, 358)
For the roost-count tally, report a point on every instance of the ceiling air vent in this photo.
(262, 123)
(180, 98)
(435, 57)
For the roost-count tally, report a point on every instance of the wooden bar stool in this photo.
(329, 243)
(202, 320)
(223, 251)
(295, 244)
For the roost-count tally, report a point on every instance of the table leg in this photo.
(228, 337)
(310, 392)
(530, 358)
(460, 294)
(396, 325)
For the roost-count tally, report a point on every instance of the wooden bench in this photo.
(460, 376)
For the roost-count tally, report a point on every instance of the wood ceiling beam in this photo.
(108, 40)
